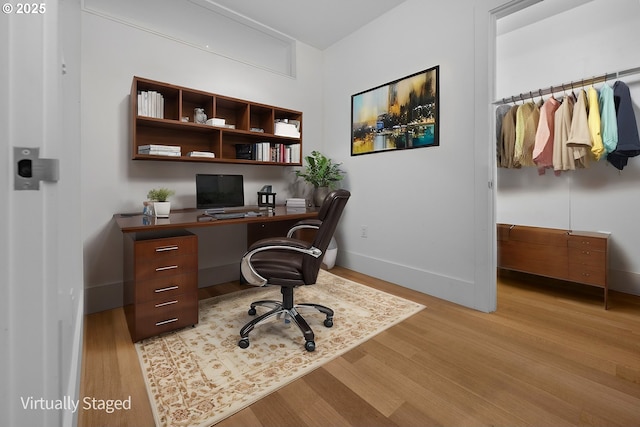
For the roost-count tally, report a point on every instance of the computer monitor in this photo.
(219, 191)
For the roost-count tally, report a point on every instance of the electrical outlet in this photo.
(364, 231)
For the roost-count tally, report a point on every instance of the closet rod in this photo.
(557, 88)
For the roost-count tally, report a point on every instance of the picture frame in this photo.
(402, 114)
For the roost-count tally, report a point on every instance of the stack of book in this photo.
(268, 152)
(160, 150)
(292, 153)
(296, 205)
(151, 104)
(201, 154)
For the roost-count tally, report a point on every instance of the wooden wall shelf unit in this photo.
(246, 117)
(575, 256)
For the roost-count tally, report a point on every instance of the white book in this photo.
(145, 103)
(296, 203)
(266, 153)
(152, 103)
(160, 153)
(158, 147)
(200, 154)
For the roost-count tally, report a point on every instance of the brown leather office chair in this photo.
(288, 262)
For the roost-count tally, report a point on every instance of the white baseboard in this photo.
(70, 419)
(624, 281)
(109, 296)
(459, 291)
(452, 289)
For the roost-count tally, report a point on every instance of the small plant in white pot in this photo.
(161, 203)
(322, 173)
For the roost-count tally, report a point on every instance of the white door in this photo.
(41, 302)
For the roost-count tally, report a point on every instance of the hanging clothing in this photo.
(527, 118)
(563, 159)
(500, 113)
(608, 120)
(597, 147)
(517, 147)
(508, 137)
(543, 146)
(628, 139)
(579, 141)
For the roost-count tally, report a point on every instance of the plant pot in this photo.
(161, 209)
(329, 259)
(319, 195)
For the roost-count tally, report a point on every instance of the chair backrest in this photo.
(329, 214)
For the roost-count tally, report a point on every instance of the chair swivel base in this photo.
(278, 309)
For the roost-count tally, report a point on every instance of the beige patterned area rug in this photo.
(199, 376)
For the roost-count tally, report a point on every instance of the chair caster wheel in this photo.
(309, 345)
(252, 311)
(243, 343)
(328, 323)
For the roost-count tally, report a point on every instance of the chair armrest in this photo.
(305, 223)
(276, 243)
(280, 243)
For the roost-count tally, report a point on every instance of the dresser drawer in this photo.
(586, 242)
(166, 287)
(164, 267)
(588, 256)
(591, 275)
(166, 247)
(156, 317)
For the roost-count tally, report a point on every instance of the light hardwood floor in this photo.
(549, 356)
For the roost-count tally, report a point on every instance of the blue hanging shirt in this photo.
(628, 139)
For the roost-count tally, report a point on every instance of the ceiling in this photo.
(318, 23)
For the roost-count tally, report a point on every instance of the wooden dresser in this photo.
(576, 256)
(161, 282)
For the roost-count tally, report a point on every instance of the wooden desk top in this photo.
(194, 218)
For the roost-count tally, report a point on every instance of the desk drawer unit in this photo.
(158, 316)
(161, 282)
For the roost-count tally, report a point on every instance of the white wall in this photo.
(596, 38)
(424, 208)
(112, 53)
(429, 211)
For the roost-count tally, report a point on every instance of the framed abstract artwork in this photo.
(398, 115)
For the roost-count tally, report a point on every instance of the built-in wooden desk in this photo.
(195, 218)
(161, 263)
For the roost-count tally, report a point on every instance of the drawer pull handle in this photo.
(586, 252)
(164, 322)
(167, 248)
(168, 288)
(170, 267)
(162, 304)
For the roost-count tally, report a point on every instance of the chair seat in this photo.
(280, 268)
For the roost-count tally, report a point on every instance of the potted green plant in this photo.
(322, 173)
(161, 203)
